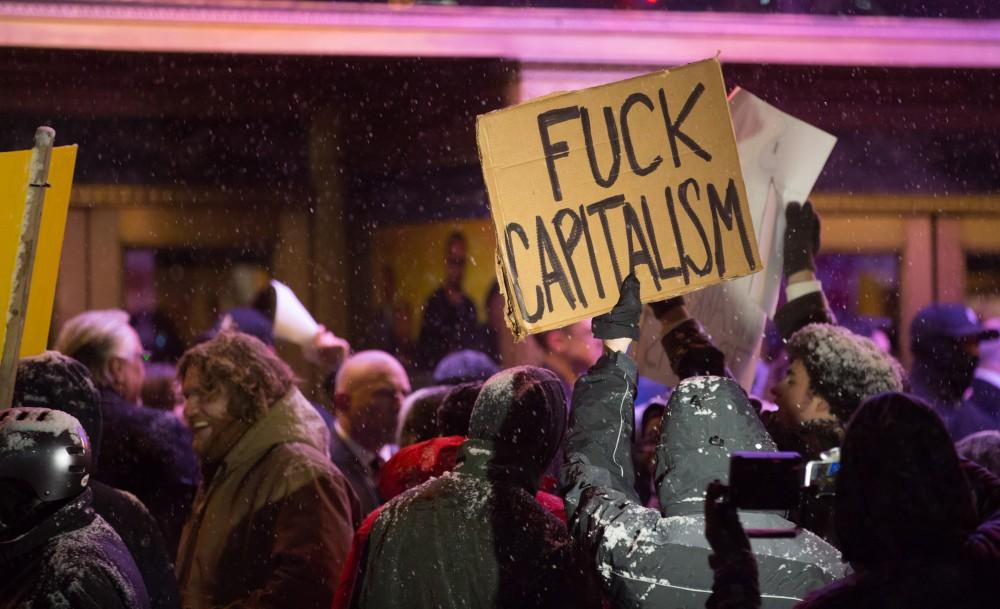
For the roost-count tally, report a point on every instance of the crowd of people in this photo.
(504, 486)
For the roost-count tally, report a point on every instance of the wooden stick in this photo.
(31, 224)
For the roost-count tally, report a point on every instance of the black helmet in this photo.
(46, 449)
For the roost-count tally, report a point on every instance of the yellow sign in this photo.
(585, 187)
(13, 191)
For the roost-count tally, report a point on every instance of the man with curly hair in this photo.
(832, 371)
(273, 518)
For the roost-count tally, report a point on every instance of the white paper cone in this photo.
(292, 322)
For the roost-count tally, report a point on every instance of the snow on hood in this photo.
(707, 418)
(521, 413)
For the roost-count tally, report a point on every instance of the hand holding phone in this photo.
(766, 481)
(722, 523)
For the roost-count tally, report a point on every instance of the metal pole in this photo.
(31, 223)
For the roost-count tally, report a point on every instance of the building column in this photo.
(330, 243)
(916, 282)
(104, 259)
(950, 256)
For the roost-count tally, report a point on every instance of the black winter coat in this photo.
(649, 559)
(141, 535)
(72, 560)
(148, 453)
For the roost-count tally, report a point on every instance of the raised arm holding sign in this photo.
(640, 176)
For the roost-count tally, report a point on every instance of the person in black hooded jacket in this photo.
(55, 552)
(52, 380)
(476, 537)
(650, 558)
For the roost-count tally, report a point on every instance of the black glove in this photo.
(662, 307)
(623, 320)
(801, 237)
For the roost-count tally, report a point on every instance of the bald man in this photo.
(367, 395)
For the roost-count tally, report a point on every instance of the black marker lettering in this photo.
(682, 196)
(513, 227)
(593, 256)
(678, 237)
(674, 132)
(616, 148)
(636, 98)
(568, 245)
(558, 149)
(556, 275)
(640, 255)
(725, 212)
(668, 273)
(601, 208)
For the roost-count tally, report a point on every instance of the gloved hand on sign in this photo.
(623, 320)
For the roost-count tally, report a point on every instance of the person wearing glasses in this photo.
(145, 451)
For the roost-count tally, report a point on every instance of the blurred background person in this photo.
(161, 391)
(145, 452)
(449, 321)
(569, 351)
(985, 396)
(368, 393)
(944, 340)
(418, 415)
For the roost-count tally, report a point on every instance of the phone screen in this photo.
(765, 481)
(821, 477)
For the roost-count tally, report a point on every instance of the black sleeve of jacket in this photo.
(982, 548)
(579, 587)
(141, 535)
(599, 444)
(985, 487)
(691, 352)
(797, 313)
(734, 582)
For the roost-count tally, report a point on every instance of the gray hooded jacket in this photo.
(649, 559)
(475, 538)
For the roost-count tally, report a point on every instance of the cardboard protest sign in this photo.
(782, 158)
(13, 191)
(640, 175)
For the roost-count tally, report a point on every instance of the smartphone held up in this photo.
(779, 481)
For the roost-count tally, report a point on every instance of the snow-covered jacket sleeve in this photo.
(598, 476)
(599, 444)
